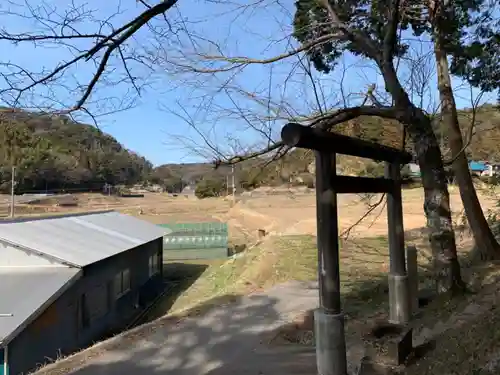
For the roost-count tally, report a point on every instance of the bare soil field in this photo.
(297, 215)
(224, 297)
(154, 207)
(285, 214)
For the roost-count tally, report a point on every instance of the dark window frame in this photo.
(154, 264)
(93, 310)
(122, 284)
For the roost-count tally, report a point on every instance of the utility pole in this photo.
(12, 186)
(232, 182)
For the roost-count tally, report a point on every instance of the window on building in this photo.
(154, 264)
(93, 305)
(110, 287)
(126, 280)
(122, 283)
(159, 256)
(84, 311)
(117, 282)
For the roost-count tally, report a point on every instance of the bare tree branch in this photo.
(391, 35)
(105, 43)
(371, 207)
(356, 36)
(470, 129)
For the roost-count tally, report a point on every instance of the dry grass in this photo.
(280, 259)
(280, 214)
(466, 338)
(462, 334)
(466, 343)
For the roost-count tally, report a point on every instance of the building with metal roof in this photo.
(38, 286)
(67, 281)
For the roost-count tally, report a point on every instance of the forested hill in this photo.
(483, 146)
(54, 152)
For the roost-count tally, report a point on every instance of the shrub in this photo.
(373, 170)
(209, 188)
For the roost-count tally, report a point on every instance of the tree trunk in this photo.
(436, 197)
(437, 208)
(486, 244)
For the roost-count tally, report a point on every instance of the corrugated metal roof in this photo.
(81, 239)
(25, 292)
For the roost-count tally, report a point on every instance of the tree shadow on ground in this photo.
(225, 335)
(231, 334)
(178, 277)
(465, 336)
(177, 271)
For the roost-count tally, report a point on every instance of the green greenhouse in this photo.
(190, 241)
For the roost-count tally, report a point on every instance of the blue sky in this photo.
(157, 126)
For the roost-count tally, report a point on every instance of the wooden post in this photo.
(327, 234)
(412, 267)
(328, 319)
(399, 301)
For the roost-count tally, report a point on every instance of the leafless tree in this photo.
(396, 105)
(106, 45)
(179, 48)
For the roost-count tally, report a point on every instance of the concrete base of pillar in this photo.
(399, 299)
(330, 343)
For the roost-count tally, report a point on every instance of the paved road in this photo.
(228, 340)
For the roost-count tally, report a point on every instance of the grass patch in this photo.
(363, 265)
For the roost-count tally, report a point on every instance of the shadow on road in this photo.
(178, 277)
(226, 335)
(180, 271)
(227, 339)
(230, 334)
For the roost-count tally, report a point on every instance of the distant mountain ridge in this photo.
(483, 146)
(55, 152)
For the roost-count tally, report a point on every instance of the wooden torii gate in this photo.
(329, 319)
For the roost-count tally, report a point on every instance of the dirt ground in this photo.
(239, 329)
(284, 214)
(244, 335)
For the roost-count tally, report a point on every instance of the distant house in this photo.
(414, 170)
(155, 188)
(477, 166)
(189, 191)
(482, 168)
(107, 189)
(65, 282)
